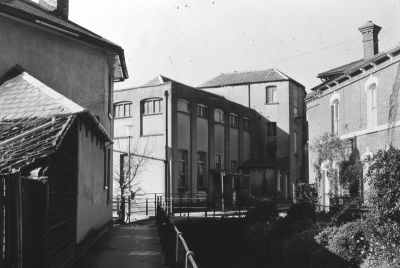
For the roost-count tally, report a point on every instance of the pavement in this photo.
(133, 245)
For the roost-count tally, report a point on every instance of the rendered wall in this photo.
(93, 209)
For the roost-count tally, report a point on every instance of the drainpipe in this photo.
(167, 183)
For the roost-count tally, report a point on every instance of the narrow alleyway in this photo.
(135, 245)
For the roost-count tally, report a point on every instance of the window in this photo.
(122, 109)
(182, 167)
(218, 161)
(246, 124)
(233, 120)
(219, 116)
(372, 113)
(201, 169)
(271, 94)
(295, 142)
(335, 117)
(183, 106)
(271, 129)
(295, 110)
(151, 106)
(202, 110)
(279, 182)
(233, 165)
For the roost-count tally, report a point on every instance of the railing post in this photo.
(188, 208)
(180, 205)
(129, 209)
(187, 258)
(177, 247)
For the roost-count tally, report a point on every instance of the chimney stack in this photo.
(63, 8)
(370, 33)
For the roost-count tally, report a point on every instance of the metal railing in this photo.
(174, 246)
(126, 208)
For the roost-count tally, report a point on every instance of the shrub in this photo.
(326, 235)
(302, 210)
(348, 241)
(263, 211)
(383, 177)
(306, 193)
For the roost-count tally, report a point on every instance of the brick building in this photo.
(280, 100)
(357, 102)
(209, 137)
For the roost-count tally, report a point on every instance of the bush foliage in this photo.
(374, 240)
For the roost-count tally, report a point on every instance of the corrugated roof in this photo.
(18, 150)
(33, 12)
(25, 96)
(235, 78)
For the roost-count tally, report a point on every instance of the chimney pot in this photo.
(370, 33)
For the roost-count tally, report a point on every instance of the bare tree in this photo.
(131, 165)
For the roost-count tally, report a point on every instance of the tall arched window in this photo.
(334, 102)
(371, 87)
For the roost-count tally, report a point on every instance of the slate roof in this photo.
(339, 70)
(25, 96)
(226, 79)
(22, 141)
(158, 81)
(30, 11)
(34, 119)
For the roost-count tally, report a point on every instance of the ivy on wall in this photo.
(337, 155)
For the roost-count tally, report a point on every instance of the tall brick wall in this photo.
(353, 112)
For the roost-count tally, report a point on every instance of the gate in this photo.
(22, 221)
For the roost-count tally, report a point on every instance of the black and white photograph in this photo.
(199, 133)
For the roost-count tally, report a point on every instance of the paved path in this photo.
(133, 246)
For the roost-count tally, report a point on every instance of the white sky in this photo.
(194, 40)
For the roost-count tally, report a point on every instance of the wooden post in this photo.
(147, 206)
(129, 209)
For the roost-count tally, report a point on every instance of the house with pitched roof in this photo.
(61, 152)
(56, 122)
(358, 102)
(280, 100)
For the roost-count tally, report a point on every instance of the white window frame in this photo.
(219, 116)
(120, 109)
(335, 113)
(371, 89)
(151, 106)
(273, 96)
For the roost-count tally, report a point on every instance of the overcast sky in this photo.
(194, 40)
